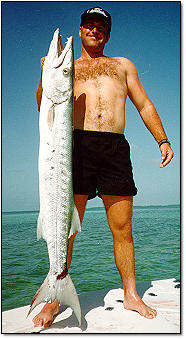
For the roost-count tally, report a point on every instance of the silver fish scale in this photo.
(63, 194)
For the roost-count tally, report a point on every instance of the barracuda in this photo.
(58, 218)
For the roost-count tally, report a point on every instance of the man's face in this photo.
(94, 33)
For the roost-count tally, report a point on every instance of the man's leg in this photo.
(119, 213)
(80, 202)
(49, 311)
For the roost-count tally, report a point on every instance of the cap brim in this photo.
(94, 16)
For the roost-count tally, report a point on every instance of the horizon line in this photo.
(88, 208)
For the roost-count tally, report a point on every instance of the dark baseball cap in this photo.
(99, 13)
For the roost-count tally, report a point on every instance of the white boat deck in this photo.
(103, 312)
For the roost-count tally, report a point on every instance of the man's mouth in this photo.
(92, 36)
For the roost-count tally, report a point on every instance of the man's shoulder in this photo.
(124, 61)
(127, 65)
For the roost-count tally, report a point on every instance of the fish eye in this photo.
(65, 71)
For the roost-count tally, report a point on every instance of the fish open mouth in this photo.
(60, 51)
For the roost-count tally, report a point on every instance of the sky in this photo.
(147, 33)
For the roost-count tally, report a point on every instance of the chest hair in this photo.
(94, 70)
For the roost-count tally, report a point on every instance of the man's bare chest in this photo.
(96, 70)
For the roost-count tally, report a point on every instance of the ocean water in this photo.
(156, 234)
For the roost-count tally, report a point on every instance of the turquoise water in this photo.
(156, 233)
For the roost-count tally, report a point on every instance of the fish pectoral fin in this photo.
(75, 224)
(50, 117)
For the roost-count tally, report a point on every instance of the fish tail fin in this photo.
(67, 295)
(63, 290)
(40, 296)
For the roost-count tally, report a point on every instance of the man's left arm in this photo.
(147, 112)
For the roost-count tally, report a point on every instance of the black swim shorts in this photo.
(101, 164)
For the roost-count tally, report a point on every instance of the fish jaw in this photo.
(66, 57)
(55, 48)
(58, 71)
(57, 54)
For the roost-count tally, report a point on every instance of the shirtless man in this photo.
(101, 159)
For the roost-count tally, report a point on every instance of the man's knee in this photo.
(121, 227)
(120, 218)
(121, 222)
(119, 213)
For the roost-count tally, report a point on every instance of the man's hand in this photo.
(39, 94)
(166, 154)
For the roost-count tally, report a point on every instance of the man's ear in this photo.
(80, 28)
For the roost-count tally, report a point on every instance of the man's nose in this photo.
(94, 29)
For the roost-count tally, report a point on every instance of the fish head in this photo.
(58, 70)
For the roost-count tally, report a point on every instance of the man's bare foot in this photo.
(134, 303)
(47, 315)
